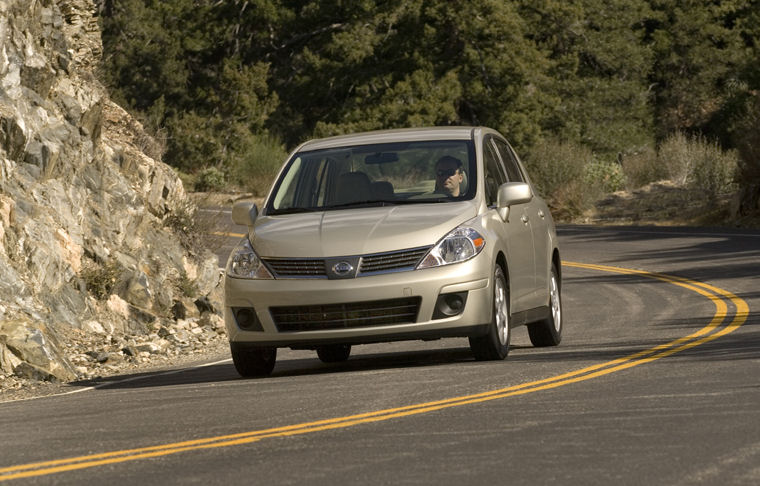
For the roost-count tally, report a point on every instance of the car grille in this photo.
(394, 261)
(297, 268)
(346, 316)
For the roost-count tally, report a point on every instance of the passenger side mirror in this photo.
(511, 193)
(244, 213)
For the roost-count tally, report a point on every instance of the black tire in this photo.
(253, 361)
(548, 332)
(495, 344)
(334, 353)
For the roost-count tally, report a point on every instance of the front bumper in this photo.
(472, 277)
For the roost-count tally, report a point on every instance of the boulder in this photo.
(34, 355)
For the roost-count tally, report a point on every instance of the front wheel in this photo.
(253, 361)
(548, 332)
(495, 344)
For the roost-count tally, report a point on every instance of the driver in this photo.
(448, 176)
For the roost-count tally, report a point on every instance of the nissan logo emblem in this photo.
(342, 268)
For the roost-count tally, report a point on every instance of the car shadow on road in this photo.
(224, 372)
(742, 344)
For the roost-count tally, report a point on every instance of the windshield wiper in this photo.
(292, 211)
(423, 201)
(387, 202)
(375, 202)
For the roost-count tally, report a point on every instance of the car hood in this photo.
(358, 231)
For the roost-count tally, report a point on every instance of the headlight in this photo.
(244, 263)
(461, 244)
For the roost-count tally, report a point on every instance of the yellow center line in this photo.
(705, 334)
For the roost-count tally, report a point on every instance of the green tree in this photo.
(362, 65)
(178, 66)
(698, 51)
(599, 73)
(745, 109)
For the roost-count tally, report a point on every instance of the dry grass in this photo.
(665, 203)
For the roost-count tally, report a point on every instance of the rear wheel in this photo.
(548, 332)
(252, 361)
(334, 353)
(495, 344)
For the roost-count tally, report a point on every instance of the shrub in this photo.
(604, 177)
(552, 164)
(211, 179)
(185, 285)
(714, 171)
(255, 165)
(642, 168)
(185, 224)
(676, 156)
(695, 162)
(558, 170)
(100, 278)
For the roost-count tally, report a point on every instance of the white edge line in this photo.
(215, 211)
(126, 380)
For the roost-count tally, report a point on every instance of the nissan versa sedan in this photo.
(393, 235)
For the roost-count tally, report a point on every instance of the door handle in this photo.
(524, 218)
(541, 213)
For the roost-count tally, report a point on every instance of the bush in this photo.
(211, 179)
(185, 224)
(604, 177)
(715, 171)
(255, 165)
(642, 168)
(695, 162)
(100, 278)
(552, 164)
(559, 172)
(185, 285)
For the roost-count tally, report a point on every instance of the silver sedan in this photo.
(394, 235)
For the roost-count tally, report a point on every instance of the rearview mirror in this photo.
(244, 213)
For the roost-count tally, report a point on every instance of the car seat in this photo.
(352, 187)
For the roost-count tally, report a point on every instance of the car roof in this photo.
(395, 135)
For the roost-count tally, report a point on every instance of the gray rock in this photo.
(84, 201)
(138, 291)
(37, 355)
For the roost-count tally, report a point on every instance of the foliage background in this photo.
(230, 86)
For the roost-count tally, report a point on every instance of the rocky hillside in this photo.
(91, 272)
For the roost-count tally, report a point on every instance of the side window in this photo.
(493, 175)
(510, 162)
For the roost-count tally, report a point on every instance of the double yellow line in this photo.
(713, 330)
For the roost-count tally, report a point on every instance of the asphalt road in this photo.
(656, 382)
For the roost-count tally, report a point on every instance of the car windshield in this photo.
(375, 175)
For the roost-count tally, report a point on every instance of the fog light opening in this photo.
(246, 319)
(454, 302)
(450, 305)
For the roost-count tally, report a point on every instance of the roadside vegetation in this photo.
(597, 96)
